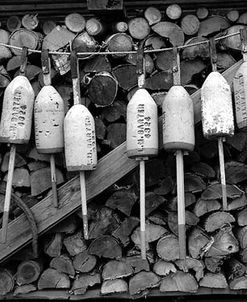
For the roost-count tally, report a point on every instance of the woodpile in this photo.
(110, 260)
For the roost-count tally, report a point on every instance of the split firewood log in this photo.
(97, 64)
(214, 281)
(242, 18)
(137, 263)
(119, 42)
(83, 282)
(40, 180)
(214, 192)
(212, 25)
(51, 278)
(94, 26)
(189, 200)
(138, 28)
(75, 243)
(238, 283)
(192, 264)
(53, 247)
(24, 289)
(161, 80)
(155, 42)
(203, 206)
(63, 264)
(180, 281)
(126, 76)
(165, 186)
(174, 11)
(189, 69)
(48, 26)
(153, 232)
(214, 264)
(202, 13)
(114, 112)
(105, 246)
(171, 31)
(120, 26)
(236, 172)
(13, 23)
(123, 232)
(30, 21)
(153, 15)
(242, 237)
(24, 37)
(190, 24)
(164, 268)
(104, 222)
(163, 60)
(242, 217)
(243, 255)
(224, 61)
(204, 170)
(197, 241)
(84, 262)
(193, 183)
(21, 178)
(83, 42)
(28, 272)
(116, 269)
(194, 51)
(237, 203)
(114, 286)
(75, 22)
(6, 53)
(168, 248)
(122, 200)
(148, 61)
(232, 42)
(190, 218)
(19, 161)
(224, 243)
(153, 201)
(143, 281)
(4, 77)
(66, 227)
(7, 281)
(100, 128)
(102, 88)
(233, 269)
(217, 220)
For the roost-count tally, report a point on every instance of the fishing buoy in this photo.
(217, 112)
(48, 121)
(80, 139)
(142, 135)
(178, 137)
(15, 125)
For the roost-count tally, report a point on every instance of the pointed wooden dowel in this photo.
(8, 193)
(222, 173)
(181, 204)
(142, 208)
(84, 204)
(53, 180)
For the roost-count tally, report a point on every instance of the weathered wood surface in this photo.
(109, 169)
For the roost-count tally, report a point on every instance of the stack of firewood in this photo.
(110, 259)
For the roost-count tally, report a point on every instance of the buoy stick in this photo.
(213, 57)
(8, 193)
(222, 173)
(142, 208)
(84, 204)
(53, 180)
(181, 204)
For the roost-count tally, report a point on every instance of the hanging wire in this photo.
(121, 52)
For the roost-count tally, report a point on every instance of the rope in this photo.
(121, 52)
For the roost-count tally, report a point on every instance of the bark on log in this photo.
(116, 269)
(114, 286)
(28, 272)
(63, 264)
(84, 263)
(51, 278)
(105, 246)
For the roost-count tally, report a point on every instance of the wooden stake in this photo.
(213, 57)
(142, 208)
(222, 173)
(181, 204)
(84, 204)
(8, 193)
(53, 180)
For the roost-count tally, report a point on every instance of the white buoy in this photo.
(15, 126)
(142, 135)
(48, 121)
(80, 139)
(240, 85)
(178, 136)
(217, 112)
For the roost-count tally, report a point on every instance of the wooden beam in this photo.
(110, 169)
